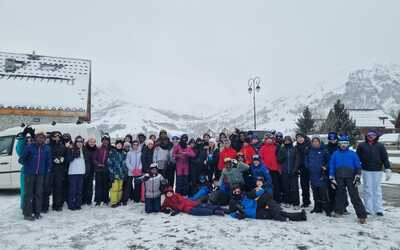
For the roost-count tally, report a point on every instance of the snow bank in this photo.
(130, 228)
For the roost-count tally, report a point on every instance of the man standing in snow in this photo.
(301, 149)
(344, 173)
(37, 162)
(374, 157)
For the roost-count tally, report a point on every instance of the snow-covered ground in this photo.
(130, 228)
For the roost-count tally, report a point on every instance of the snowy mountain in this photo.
(374, 87)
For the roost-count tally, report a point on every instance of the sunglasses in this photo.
(78, 141)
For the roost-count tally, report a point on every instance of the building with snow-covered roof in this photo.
(42, 89)
(375, 119)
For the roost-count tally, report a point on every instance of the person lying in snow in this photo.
(259, 204)
(175, 203)
(203, 190)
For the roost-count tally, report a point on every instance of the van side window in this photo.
(6, 143)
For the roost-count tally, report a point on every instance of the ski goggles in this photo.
(344, 143)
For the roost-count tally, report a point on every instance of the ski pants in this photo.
(346, 185)
(372, 191)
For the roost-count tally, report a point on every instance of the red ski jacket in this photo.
(226, 153)
(268, 156)
(248, 152)
(180, 203)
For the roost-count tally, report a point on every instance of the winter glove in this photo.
(333, 182)
(166, 211)
(388, 174)
(234, 161)
(61, 159)
(56, 161)
(357, 180)
(175, 212)
(146, 177)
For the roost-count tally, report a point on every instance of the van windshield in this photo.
(6, 145)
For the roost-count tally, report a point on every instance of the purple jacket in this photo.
(100, 158)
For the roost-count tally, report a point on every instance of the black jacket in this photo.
(373, 156)
(146, 158)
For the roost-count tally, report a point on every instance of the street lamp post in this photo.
(254, 86)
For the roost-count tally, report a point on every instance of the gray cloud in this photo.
(160, 52)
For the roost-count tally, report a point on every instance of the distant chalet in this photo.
(42, 89)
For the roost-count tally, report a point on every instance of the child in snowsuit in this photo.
(154, 183)
(117, 168)
(257, 169)
(316, 162)
(344, 173)
(175, 203)
(203, 190)
(258, 204)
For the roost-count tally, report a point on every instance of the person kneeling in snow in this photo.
(175, 203)
(259, 204)
(154, 183)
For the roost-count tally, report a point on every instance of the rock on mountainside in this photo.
(375, 87)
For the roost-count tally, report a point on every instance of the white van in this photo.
(10, 168)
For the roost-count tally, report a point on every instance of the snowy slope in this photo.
(130, 228)
(374, 87)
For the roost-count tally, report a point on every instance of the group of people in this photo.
(238, 174)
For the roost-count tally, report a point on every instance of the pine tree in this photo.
(339, 121)
(397, 124)
(305, 123)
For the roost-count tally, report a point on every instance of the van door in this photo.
(6, 143)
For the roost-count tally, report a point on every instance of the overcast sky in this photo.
(192, 55)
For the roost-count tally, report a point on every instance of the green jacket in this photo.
(234, 174)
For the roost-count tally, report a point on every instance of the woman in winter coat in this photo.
(162, 153)
(290, 176)
(175, 203)
(197, 165)
(76, 173)
(212, 158)
(154, 184)
(56, 178)
(182, 153)
(24, 139)
(135, 172)
(101, 172)
(268, 153)
(89, 151)
(117, 168)
(147, 156)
